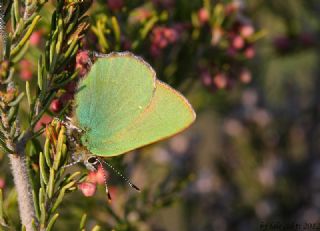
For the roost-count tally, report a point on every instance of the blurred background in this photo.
(251, 70)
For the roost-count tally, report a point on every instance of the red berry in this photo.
(55, 105)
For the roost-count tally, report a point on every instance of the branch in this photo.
(21, 181)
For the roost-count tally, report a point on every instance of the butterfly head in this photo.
(92, 163)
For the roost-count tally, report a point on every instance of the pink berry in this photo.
(238, 42)
(82, 57)
(220, 80)
(245, 76)
(55, 105)
(88, 189)
(203, 15)
(206, 78)
(246, 30)
(249, 52)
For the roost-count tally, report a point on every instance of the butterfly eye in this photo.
(92, 160)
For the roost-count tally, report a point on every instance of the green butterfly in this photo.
(121, 105)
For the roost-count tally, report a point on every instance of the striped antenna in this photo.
(105, 180)
(120, 174)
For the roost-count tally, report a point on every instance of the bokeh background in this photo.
(251, 70)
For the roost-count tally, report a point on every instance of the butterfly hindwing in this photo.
(168, 114)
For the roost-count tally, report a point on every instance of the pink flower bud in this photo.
(220, 80)
(238, 42)
(231, 8)
(88, 189)
(44, 120)
(245, 76)
(246, 30)
(206, 78)
(25, 70)
(203, 15)
(82, 62)
(249, 52)
(35, 38)
(26, 75)
(2, 183)
(98, 177)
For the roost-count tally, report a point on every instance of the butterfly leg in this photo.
(72, 163)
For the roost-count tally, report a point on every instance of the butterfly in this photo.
(120, 106)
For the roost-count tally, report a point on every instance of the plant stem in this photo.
(20, 177)
(21, 181)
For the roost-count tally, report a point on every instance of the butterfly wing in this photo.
(114, 93)
(168, 114)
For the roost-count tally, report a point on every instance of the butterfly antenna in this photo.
(105, 180)
(121, 175)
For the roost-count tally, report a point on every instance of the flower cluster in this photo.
(232, 38)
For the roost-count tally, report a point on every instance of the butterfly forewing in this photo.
(116, 91)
